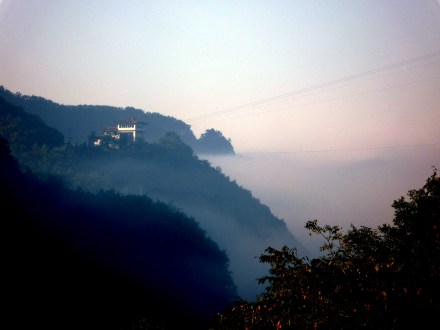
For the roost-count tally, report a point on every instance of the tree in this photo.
(24, 130)
(213, 142)
(385, 278)
(73, 259)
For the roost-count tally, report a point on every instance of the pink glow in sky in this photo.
(199, 61)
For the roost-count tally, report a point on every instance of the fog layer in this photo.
(336, 187)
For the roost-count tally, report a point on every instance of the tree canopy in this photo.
(213, 142)
(168, 170)
(73, 259)
(76, 122)
(382, 278)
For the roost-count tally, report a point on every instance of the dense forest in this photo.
(150, 237)
(76, 260)
(168, 171)
(76, 123)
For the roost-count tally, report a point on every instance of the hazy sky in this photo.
(290, 75)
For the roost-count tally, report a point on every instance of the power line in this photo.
(315, 87)
(296, 106)
(347, 149)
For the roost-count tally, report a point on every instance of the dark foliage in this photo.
(24, 130)
(170, 171)
(77, 260)
(76, 123)
(213, 142)
(384, 278)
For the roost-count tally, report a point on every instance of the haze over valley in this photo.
(221, 126)
(339, 189)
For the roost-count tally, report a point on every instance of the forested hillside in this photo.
(77, 260)
(366, 278)
(170, 172)
(76, 123)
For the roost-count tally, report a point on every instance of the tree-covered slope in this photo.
(25, 130)
(169, 171)
(78, 260)
(76, 123)
(367, 278)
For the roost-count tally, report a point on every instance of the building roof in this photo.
(129, 121)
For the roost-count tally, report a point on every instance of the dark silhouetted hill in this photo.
(76, 123)
(169, 171)
(79, 260)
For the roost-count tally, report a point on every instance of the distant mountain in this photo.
(76, 123)
(169, 171)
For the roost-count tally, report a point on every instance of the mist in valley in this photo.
(228, 212)
(329, 107)
(336, 187)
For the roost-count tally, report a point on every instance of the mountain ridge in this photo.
(77, 122)
(167, 170)
(104, 260)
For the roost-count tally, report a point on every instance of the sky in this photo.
(270, 75)
(326, 87)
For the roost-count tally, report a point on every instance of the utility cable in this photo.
(315, 87)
